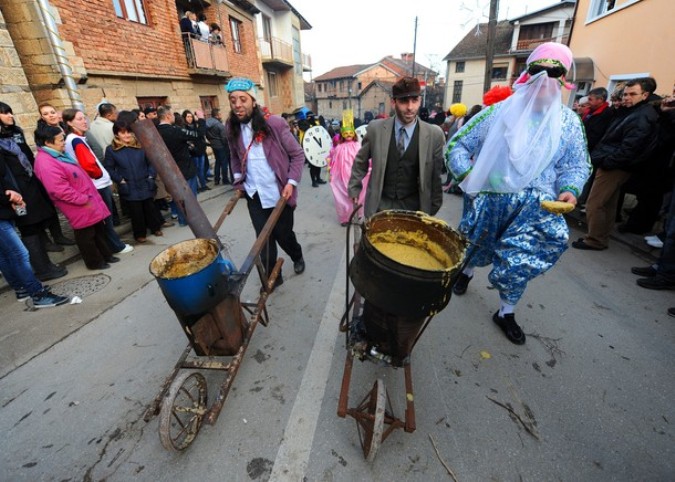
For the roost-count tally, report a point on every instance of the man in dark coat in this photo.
(628, 142)
(178, 140)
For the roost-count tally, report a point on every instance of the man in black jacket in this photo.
(177, 141)
(629, 140)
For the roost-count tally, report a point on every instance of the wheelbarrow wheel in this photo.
(371, 423)
(182, 411)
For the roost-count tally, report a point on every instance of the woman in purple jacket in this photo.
(73, 192)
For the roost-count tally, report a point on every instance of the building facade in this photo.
(624, 39)
(131, 52)
(514, 41)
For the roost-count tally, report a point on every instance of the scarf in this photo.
(9, 145)
(59, 156)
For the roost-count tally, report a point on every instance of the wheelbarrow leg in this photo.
(409, 400)
(344, 391)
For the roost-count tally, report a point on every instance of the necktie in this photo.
(400, 145)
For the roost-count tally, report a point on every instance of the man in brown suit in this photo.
(407, 157)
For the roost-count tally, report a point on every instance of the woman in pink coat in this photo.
(73, 192)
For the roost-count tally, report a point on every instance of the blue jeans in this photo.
(15, 262)
(201, 175)
(222, 165)
(192, 182)
(116, 244)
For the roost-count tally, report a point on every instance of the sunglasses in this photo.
(553, 72)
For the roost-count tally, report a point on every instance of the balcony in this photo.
(205, 58)
(276, 53)
(531, 44)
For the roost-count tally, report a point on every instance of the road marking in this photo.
(293, 455)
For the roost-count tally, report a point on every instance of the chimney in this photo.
(407, 57)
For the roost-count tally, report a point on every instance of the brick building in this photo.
(130, 52)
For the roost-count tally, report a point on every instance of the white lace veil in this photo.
(524, 135)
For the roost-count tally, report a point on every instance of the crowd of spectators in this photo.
(78, 168)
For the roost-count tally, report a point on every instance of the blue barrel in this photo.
(192, 276)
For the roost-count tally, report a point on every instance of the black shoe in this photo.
(99, 266)
(53, 248)
(648, 271)
(656, 283)
(216, 183)
(63, 241)
(321, 181)
(581, 244)
(461, 284)
(54, 272)
(315, 184)
(113, 259)
(510, 328)
(671, 312)
(206, 188)
(279, 281)
(299, 266)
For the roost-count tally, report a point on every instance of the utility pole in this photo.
(490, 51)
(414, 49)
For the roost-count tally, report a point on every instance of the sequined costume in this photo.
(509, 229)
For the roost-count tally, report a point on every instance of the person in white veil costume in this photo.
(509, 158)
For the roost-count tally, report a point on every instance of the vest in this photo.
(401, 178)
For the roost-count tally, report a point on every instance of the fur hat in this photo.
(406, 87)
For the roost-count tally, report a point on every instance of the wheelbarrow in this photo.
(203, 288)
(403, 269)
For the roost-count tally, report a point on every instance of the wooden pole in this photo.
(490, 50)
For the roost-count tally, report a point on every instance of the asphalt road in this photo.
(589, 397)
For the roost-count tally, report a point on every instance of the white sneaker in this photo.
(127, 249)
(655, 243)
(651, 238)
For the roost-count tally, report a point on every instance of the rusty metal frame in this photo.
(257, 313)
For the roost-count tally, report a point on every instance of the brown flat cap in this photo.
(406, 87)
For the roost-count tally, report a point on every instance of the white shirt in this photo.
(203, 31)
(103, 181)
(260, 177)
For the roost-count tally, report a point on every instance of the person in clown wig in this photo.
(341, 159)
(527, 149)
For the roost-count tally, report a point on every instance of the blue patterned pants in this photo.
(516, 236)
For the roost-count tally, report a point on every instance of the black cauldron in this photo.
(401, 289)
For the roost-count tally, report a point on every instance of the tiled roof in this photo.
(341, 72)
(405, 68)
(474, 46)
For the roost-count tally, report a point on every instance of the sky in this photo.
(349, 32)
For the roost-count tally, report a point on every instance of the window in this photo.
(272, 84)
(235, 27)
(131, 10)
(155, 102)
(330, 104)
(208, 103)
(459, 67)
(267, 28)
(499, 72)
(358, 85)
(297, 54)
(601, 7)
(457, 91)
(344, 105)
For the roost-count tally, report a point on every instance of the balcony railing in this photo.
(276, 51)
(206, 57)
(531, 44)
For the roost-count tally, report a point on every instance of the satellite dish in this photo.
(317, 145)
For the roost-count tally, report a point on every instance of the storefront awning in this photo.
(583, 70)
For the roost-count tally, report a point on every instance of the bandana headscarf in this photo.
(242, 84)
(525, 131)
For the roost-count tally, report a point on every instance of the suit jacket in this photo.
(375, 146)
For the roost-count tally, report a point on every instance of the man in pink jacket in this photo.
(74, 194)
